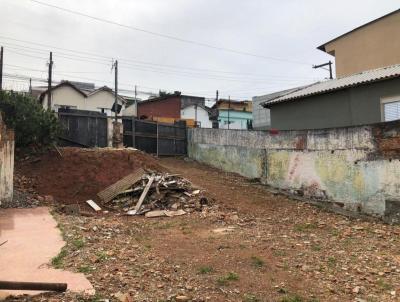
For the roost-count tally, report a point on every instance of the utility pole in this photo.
(49, 82)
(116, 91)
(323, 65)
(135, 93)
(30, 86)
(229, 110)
(216, 96)
(1, 68)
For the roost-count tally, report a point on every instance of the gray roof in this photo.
(358, 79)
(267, 97)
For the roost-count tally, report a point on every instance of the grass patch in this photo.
(316, 247)
(257, 262)
(205, 270)
(223, 280)
(250, 298)
(78, 243)
(85, 269)
(335, 232)
(58, 261)
(102, 256)
(305, 227)
(384, 285)
(332, 261)
(292, 298)
(279, 253)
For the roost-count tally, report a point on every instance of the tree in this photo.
(33, 126)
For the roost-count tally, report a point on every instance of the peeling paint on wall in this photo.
(357, 167)
(6, 163)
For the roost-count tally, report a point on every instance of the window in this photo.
(391, 110)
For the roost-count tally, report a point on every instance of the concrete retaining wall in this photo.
(357, 168)
(6, 163)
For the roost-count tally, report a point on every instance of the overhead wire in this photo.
(106, 61)
(70, 11)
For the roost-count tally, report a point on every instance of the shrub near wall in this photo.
(33, 126)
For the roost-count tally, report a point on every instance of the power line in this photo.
(173, 72)
(107, 59)
(167, 36)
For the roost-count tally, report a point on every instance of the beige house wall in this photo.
(66, 96)
(373, 46)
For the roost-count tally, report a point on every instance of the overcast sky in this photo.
(284, 34)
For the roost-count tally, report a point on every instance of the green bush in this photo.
(33, 126)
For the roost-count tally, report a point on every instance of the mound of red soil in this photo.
(81, 173)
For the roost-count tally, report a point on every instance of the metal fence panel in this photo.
(155, 138)
(83, 128)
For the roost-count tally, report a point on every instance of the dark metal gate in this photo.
(155, 138)
(82, 128)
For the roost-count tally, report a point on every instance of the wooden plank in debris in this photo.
(93, 205)
(121, 185)
(144, 194)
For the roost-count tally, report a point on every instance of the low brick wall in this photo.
(6, 163)
(357, 168)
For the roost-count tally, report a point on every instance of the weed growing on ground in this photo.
(332, 261)
(250, 298)
(102, 256)
(85, 269)
(316, 247)
(223, 280)
(384, 285)
(292, 298)
(257, 262)
(58, 261)
(78, 243)
(205, 270)
(305, 227)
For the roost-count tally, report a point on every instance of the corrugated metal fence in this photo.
(155, 138)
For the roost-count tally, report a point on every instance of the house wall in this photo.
(201, 115)
(349, 107)
(6, 163)
(237, 119)
(261, 116)
(370, 47)
(170, 108)
(102, 99)
(355, 168)
(68, 96)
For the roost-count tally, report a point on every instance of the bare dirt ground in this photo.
(253, 246)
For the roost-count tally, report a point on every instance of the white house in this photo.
(67, 95)
(198, 113)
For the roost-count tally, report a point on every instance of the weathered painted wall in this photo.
(6, 163)
(357, 168)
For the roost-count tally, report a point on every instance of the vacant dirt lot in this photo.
(252, 246)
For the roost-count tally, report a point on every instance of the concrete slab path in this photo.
(33, 239)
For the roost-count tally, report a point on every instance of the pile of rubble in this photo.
(154, 194)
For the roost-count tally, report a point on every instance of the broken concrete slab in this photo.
(27, 254)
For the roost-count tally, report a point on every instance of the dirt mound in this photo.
(81, 173)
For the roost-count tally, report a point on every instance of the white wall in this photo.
(101, 99)
(130, 111)
(202, 115)
(66, 96)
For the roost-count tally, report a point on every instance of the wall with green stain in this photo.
(245, 161)
(330, 164)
